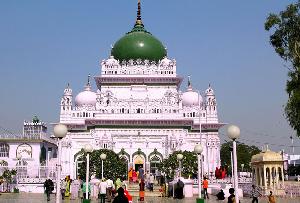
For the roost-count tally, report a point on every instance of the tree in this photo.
(244, 154)
(188, 163)
(113, 166)
(285, 39)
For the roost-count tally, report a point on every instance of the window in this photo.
(4, 150)
(154, 163)
(105, 145)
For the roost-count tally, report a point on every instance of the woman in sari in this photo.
(118, 183)
(68, 184)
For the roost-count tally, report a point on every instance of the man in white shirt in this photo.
(110, 187)
(102, 188)
(151, 181)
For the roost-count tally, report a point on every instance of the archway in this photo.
(154, 163)
(138, 161)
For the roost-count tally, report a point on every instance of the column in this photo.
(282, 175)
(265, 177)
(277, 177)
(260, 176)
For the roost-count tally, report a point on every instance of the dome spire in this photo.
(138, 16)
(88, 85)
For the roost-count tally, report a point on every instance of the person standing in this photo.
(110, 187)
(130, 175)
(255, 194)
(49, 187)
(231, 198)
(68, 186)
(134, 176)
(142, 189)
(157, 176)
(63, 187)
(271, 198)
(75, 185)
(121, 198)
(84, 189)
(205, 186)
(151, 181)
(102, 188)
(94, 187)
(118, 183)
(147, 180)
(141, 173)
(179, 189)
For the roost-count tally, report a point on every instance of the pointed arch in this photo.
(78, 154)
(124, 153)
(155, 152)
(139, 152)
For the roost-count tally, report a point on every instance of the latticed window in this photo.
(154, 163)
(4, 150)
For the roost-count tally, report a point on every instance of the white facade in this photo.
(138, 110)
(138, 107)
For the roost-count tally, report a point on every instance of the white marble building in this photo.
(138, 109)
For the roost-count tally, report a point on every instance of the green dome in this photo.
(138, 44)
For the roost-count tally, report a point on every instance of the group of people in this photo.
(255, 194)
(76, 189)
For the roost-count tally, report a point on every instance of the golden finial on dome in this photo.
(139, 17)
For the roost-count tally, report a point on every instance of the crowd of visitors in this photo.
(105, 189)
(108, 190)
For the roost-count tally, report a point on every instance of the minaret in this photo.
(66, 101)
(211, 105)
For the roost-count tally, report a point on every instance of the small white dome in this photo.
(191, 98)
(86, 97)
(165, 62)
(111, 61)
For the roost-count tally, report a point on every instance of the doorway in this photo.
(137, 166)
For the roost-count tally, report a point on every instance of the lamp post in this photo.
(232, 173)
(179, 158)
(233, 133)
(103, 157)
(88, 149)
(60, 132)
(198, 150)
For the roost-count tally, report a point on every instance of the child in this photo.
(271, 198)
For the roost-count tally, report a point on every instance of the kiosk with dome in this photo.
(138, 110)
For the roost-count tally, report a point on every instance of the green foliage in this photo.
(113, 166)
(189, 164)
(7, 175)
(16, 190)
(285, 39)
(244, 154)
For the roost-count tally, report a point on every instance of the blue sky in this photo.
(46, 44)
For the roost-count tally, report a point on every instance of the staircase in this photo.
(133, 189)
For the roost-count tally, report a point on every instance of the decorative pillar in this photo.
(282, 177)
(260, 176)
(265, 180)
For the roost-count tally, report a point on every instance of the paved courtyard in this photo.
(40, 198)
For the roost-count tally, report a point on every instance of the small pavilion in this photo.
(267, 170)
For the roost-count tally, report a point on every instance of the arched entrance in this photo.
(138, 161)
